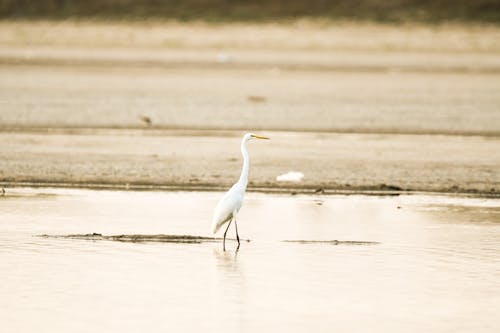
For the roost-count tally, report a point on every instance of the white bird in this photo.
(230, 204)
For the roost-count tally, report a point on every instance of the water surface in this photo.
(436, 267)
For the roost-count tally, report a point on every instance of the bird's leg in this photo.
(225, 232)
(237, 236)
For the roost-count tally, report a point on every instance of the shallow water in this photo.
(436, 269)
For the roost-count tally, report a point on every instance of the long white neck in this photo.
(246, 164)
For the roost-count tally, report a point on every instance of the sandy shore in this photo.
(212, 161)
(355, 107)
(303, 76)
(234, 99)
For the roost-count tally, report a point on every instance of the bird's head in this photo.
(250, 136)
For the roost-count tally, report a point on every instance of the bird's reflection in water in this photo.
(226, 261)
(229, 278)
(229, 286)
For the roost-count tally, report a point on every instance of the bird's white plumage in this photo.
(231, 202)
(229, 205)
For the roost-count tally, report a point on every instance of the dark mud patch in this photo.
(161, 238)
(6, 194)
(330, 242)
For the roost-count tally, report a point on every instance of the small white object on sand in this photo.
(223, 58)
(292, 176)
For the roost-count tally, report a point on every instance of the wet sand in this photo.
(162, 238)
(187, 239)
(190, 160)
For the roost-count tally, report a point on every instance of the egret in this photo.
(230, 204)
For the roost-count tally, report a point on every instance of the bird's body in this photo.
(230, 204)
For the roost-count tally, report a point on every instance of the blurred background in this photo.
(217, 68)
(240, 10)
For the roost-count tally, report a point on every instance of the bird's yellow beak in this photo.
(260, 137)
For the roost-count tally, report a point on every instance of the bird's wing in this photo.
(230, 202)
